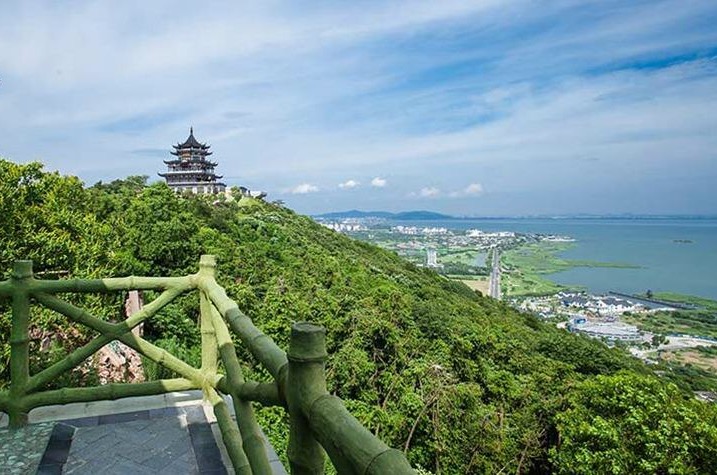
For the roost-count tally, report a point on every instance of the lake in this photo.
(665, 265)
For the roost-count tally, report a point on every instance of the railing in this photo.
(319, 423)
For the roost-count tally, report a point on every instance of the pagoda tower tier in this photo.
(191, 171)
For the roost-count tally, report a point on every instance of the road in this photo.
(494, 287)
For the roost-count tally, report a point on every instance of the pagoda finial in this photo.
(191, 130)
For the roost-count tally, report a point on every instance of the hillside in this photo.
(464, 383)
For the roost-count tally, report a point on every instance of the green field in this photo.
(699, 322)
(525, 266)
(459, 256)
(703, 303)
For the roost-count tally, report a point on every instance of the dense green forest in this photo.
(462, 382)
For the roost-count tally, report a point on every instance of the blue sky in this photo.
(471, 108)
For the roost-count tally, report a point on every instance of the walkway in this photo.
(179, 438)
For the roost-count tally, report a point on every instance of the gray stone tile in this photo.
(136, 446)
(73, 465)
(164, 412)
(127, 467)
(54, 469)
(195, 414)
(179, 467)
(82, 422)
(123, 417)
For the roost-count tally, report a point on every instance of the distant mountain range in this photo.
(402, 216)
(430, 215)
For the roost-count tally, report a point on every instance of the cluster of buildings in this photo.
(345, 226)
(477, 233)
(596, 316)
(610, 331)
(599, 305)
(497, 239)
(416, 231)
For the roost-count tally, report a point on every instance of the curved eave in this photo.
(206, 164)
(203, 151)
(196, 183)
(175, 174)
(185, 146)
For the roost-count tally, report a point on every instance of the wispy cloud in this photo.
(303, 189)
(349, 184)
(379, 182)
(474, 189)
(429, 192)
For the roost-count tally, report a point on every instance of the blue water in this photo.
(687, 268)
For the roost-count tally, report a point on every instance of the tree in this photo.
(627, 423)
(649, 294)
(658, 340)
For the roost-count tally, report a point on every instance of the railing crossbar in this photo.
(139, 344)
(318, 422)
(110, 392)
(113, 284)
(81, 354)
(69, 362)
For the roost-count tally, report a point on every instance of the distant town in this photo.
(511, 266)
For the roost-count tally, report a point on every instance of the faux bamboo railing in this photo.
(319, 422)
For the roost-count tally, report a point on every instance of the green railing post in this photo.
(207, 268)
(306, 378)
(319, 418)
(251, 438)
(19, 341)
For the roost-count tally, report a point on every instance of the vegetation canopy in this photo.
(461, 382)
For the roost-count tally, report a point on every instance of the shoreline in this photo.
(527, 266)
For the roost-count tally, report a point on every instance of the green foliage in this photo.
(688, 322)
(463, 382)
(191, 355)
(632, 424)
(698, 302)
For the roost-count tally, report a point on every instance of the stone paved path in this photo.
(168, 440)
(143, 446)
(159, 441)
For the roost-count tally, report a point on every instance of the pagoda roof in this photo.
(202, 151)
(179, 161)
(191, 142)
(211, 176)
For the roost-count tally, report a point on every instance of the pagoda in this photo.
(191, 171)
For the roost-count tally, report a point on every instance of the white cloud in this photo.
(429, 192)
(303, 189)
(473, 189)
(347, 185)
(379, 182)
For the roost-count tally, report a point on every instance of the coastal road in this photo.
(494, 286)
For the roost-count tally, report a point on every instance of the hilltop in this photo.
(462, 382)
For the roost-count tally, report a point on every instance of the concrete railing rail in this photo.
(319, 423)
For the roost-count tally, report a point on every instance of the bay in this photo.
(673, 255)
